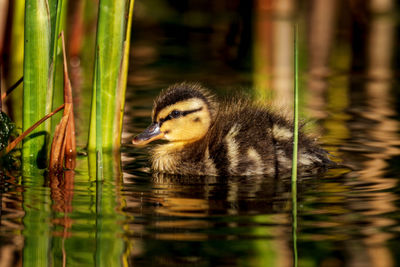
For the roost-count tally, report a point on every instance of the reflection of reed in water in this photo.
(61, 193)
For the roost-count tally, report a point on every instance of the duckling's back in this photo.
(250, 140)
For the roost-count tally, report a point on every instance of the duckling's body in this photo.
(230, 138)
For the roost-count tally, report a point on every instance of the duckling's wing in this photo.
(247, 140)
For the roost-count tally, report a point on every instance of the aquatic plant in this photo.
(63, 145)
(36, 79)
(44, 76)
(15, 60)
(42, 28)
(8, 134)
(295, 145)
(110, 74)
(295, 108)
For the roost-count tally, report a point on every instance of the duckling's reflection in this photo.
(194, 218)
(220, 195)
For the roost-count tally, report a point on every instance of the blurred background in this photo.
(348, 61)
(349, 95)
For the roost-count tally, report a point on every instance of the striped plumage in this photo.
(234, 137)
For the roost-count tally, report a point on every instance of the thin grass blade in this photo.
(122, 79)
(99, 136)
(295, 146)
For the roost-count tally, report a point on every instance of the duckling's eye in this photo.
(175, 114)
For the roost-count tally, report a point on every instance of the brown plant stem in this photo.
(33, 127)
(63, 147)
(5, 94)
(70, 144)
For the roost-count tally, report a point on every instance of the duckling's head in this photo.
(182, 113)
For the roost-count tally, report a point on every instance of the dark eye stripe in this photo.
(182, 114)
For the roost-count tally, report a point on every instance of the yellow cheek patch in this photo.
(167, 127)
(187, 128)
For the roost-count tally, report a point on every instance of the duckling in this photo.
(231, 138)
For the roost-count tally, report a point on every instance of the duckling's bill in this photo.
(152, 133)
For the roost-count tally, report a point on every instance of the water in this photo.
(345, 217)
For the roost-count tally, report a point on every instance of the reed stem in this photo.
(58, 9)
(43, 74)
(36, 76)
(16, 60)
(99, 136)
(295, 146)
(112, 42)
